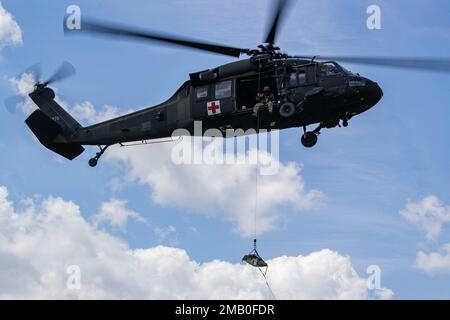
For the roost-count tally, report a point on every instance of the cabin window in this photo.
(202, 93)
(223, 89)
(297, 79)
(293, 80)
(301, 77)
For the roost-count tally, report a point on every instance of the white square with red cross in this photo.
(213, 108)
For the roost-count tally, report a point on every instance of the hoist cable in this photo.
(264, 274)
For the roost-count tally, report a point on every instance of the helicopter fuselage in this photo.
(223, 98)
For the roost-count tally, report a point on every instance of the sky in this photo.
(138, 226)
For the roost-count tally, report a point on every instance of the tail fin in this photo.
(44, 99)
(52, 125)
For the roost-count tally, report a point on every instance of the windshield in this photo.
(347, 71)
(331, 69)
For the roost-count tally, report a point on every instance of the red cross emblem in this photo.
(213, 108)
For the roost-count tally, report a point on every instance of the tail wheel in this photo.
(309, 139)
(93, 162)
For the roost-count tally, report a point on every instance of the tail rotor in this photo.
(65, 70)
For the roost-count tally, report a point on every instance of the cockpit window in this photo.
(348, 72)
(329, 69)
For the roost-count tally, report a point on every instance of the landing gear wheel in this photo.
(309, 139)
(287, 109)
(93, 162)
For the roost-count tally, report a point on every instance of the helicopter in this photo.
(306, 91)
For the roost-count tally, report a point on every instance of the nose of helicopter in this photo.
(373, 94)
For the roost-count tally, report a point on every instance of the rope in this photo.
(264, 274)
(259, 76)
(256, 174)
(256, 189)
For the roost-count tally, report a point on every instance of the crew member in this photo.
(264, 99)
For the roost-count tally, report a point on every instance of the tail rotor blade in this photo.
(66, 70)
(35, 70)
(12, 102)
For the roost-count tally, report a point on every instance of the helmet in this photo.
(267, 89)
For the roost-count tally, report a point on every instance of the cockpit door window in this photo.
(330, 69)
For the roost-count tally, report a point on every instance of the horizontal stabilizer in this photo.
(46, 130)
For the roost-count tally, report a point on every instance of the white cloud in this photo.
(429, 214)
(434, 262)
(23, 86)
(384, 294)
(10, 32)
(224, 191)
(39, 242)
(86, 112)
(164, 232)
(115, 213)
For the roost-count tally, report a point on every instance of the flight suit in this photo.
(264, 99)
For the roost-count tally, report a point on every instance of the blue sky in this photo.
(396, 152)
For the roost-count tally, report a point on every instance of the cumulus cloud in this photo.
(163, 233)
(225, 191)
(40, 241)
(434, 262)
(84, 112)
(23, 86)
(429, 214)
(87, 113)
(10, 32)
(115, 213)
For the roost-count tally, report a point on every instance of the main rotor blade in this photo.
(66, 70)
(280, 10)
(109, 29)
(426, 64)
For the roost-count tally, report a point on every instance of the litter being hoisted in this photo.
(254, 259)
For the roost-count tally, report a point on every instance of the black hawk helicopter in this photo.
(306, 91)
